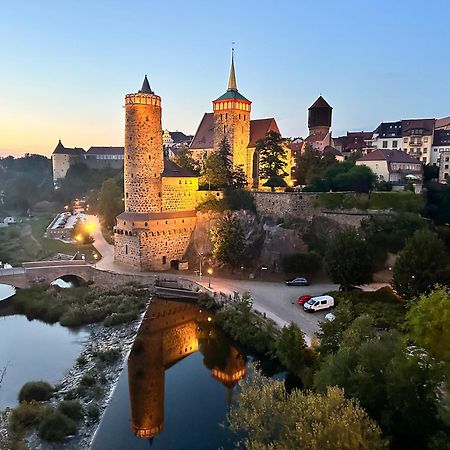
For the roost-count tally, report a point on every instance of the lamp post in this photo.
(210, 271)
(200, 268)
(95, 259)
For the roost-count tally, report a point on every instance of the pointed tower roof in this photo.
(232, 85)
(232, 91)
(146, 89)
(320, 103)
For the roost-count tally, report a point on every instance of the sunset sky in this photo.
(66, 65)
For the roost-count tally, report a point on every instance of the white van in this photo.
(318, 303)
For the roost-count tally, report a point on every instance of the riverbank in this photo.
(94, 395)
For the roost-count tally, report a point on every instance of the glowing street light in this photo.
(210, 271)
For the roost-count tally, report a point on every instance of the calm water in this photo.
(176, 388)
(34, 350)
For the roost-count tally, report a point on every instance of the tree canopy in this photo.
(423, 263)
(110, 203)
(271, 418)
(347, 259)
(272, 160)
(228, 242)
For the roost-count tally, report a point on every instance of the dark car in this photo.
(299, 281)
(349, 287)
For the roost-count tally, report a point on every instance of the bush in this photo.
(108, 356)
(88, 380)
(56, 426)
(26, 415)
(301, 263)
(82, 360)
(239, 199)
(118, 318)
(93, 411)
(39, 391)
(71, 408)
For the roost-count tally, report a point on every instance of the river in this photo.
(176, 388)
(34, 350)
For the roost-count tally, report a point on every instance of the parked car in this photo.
(349, 287)
(318, 303)
(299, 281)
(303, 299)
(330, 317)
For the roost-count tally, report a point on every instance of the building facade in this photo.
(444, 166)
(62, 159)
(155, 229)
(393, 166)
(441, 143)
(231, 119)
(319, 125)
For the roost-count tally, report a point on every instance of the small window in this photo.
(126, 249)
(164, 259)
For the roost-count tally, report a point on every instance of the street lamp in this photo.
(210, 271)
(200, 271)
(95, 259)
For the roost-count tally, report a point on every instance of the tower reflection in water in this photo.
(171, 331)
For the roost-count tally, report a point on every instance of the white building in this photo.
(394, 166)
(441, 143)
(444, 166)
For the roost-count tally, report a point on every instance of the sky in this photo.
(65, 66)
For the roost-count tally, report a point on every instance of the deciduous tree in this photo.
(271, 418)
(347, 259)
(228, 242)
(110, 203)
(423, 263)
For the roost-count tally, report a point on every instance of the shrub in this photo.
(71, 408)
(239, 199)
(88, 380)
(39, 391)
(56, 426)
(82, 360)
(118, 318)
(108, 356)
(93, 411)
(26, 415)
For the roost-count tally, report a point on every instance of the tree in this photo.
(185, 160)
(272, 157)
(357, 178)
(347, 259)
(310, 165)
(228, 242)
(238, 178)
(422, 264)
(110, 203)
(437, 206)
(396, 388)
(428, 323)
(271, 418)
(224, 152)
(215, 171)
(294, 354)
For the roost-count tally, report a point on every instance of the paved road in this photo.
(275, 299)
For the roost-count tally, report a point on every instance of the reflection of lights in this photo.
(95, 256)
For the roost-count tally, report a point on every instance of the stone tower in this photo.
(232, 120)
(319, 117)
(143, 157)
(154, 231)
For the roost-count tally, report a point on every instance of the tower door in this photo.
(255, 169)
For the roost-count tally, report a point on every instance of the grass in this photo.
(81, 305)
(397, 201)
(26, 242)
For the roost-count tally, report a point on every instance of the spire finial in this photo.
(232, 85)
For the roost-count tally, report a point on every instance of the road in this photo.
(275, 299)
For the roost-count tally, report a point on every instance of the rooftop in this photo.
(392, 156)
(174, 170)
(105, 151)
(61, 150)
(320, 103)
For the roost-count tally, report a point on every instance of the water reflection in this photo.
(170, 332)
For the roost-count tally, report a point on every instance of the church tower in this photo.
(143, 156)
(232, 120)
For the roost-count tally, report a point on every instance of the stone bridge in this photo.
(44, 272)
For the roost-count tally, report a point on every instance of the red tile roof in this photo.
(442, 123)
(204, 136)
(259, 128)
(383, 154)
(320, 103)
